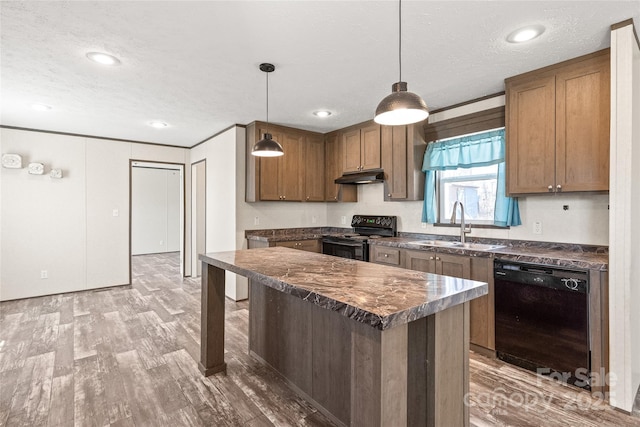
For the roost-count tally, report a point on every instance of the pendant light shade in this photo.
(401, 107)
(267, 146)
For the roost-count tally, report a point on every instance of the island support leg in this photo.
(212, 317)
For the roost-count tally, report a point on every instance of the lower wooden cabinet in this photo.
(482, 333)
(385, 255)
(309, 245)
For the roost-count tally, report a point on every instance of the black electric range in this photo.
(355, 245)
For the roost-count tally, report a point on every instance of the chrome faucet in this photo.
(463, 230)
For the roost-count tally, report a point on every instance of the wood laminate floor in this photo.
(127, 356)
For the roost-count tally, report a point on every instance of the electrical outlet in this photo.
(343, 219)
(116, 212)
(161, 242)
(44, 274)
(537, 227)
(256, 220)
(314, 219)
(423, 225)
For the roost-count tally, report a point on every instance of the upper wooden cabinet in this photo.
(314, 168)
(402, 151)
(293, 177)
(361, 147)
(333, 169)
(557, 127)
(280, 176)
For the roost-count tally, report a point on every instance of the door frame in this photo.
(193, 224)
(183, 205)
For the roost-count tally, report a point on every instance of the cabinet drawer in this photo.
(384, 255)
(310, 245)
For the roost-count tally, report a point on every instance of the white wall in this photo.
(585, 222)
(67, 226)
(155, 213)
(221, 153)
(624, 250)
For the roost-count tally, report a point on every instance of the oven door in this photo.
(351, 250)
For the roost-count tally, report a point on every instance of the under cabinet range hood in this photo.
(363, 177)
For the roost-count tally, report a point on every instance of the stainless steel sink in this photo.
(433, 243)
(449, 244)
(476, 246)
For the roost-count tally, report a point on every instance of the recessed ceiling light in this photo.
(158, 124)
(41, 107)
(103, 58)
(322, 113)
(525, 34)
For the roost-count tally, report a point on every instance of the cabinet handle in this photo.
(550, 188)
(430, 258)
(437, 258)
(559, 187)
(389, 195)
(284, 197)
(335, 198)
(386, 255)
(307, 197)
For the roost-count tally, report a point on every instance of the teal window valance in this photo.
(480, 149)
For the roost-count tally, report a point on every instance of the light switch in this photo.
(116, 212)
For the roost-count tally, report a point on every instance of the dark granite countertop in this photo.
(542, 253)
(288, 234)
(378, 295)
(566, 255)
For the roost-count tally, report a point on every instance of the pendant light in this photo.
(267, 146)
(401, 107)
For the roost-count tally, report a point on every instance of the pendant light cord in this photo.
(267, 102)
(400, 37)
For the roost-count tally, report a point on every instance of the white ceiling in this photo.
(195, 64)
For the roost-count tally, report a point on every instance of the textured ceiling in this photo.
(194, 65)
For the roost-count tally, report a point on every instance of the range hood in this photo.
(364, 177)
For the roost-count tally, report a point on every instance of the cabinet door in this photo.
(269, 172)
(582, 126)
(314, 169)
(290, 171)
(351, 148)
(453, 265)
(482, 331)
(370, 147)
(424, 261)
(530, 127)
(310, 245)
(394, 161)
(334, 164)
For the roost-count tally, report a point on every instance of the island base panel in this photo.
(212, 318)
(412, 374)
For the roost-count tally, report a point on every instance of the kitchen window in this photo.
(474, 187)
(469, 169)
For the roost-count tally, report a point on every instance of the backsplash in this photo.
(586, 221)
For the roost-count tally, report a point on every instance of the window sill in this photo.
(446, 224)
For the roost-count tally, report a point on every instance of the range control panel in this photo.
(374, 221)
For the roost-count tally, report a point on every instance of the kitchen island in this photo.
(368, 345)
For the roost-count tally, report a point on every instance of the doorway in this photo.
(157, 213)
(198, 214)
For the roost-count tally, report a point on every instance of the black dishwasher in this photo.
(542, 320)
